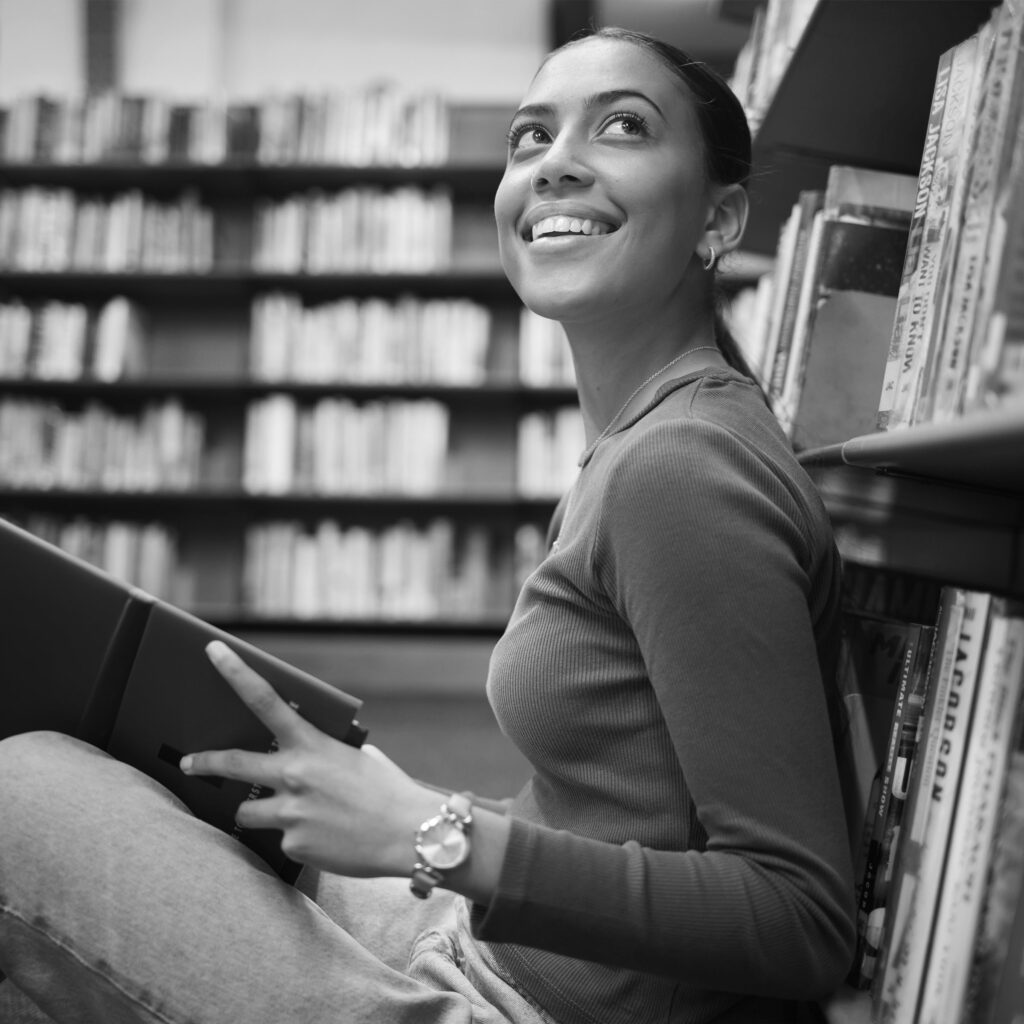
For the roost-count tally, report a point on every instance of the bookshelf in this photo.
(196, 349)
(938, 500)
(856, 90)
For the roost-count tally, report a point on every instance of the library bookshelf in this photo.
(939, 500)
(196, 351)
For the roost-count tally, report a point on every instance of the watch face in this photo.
(442, 844)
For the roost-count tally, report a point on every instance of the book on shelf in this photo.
(996, 988)
(833, 388)
(895, 360)
(995, 129)
(776, 30)
(887, 797)
(920, 859)
(58, 340)
(869, 675)
(399, 572)
(990, 740)
(337, 446)
(379, 124)
(796, 289)
(825, 312)
(961, 295)
(86, 654)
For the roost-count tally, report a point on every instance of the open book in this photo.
(84, 653)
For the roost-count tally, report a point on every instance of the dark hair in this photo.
(724, 132)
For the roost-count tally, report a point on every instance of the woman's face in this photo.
(604, 197)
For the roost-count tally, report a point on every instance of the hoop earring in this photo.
(712, 258)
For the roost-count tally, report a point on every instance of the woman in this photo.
(679, 853)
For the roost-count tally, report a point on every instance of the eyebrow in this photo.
(598, 99)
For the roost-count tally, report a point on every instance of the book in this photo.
(885, 805)
(870, 668)
(938, 305)
(896, 357)
(921, 298)
(806, 209)
(996, 991)
(989, 743)
(993, 364)
(833, 388)
(992, 149)
(84, 653)
(920, 862)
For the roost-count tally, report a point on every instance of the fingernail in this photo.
(216, 649)
(185, 764)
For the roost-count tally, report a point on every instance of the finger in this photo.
(256, 693)
(265, 812)
(242, 765)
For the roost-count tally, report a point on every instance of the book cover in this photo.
(888, 797)
(944, 202)
(989, 743)
(937, 304)
(834, 388)
(869, 673)
(921, 861)
(989, 167)
(894, 359)
(84, 653)
(808, 204)
(993, 360)
(996, 991)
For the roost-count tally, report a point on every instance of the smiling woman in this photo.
(679, 851)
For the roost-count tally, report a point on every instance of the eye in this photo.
(527, 136)
(625, 123)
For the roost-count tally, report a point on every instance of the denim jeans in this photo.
(117, 905)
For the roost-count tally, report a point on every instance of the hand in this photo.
(341, 809)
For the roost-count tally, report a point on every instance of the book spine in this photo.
(922, 861)
(924, 189)
(948, 625)
(996, 992)
(988, 748)
(951, 371)
(951, 259)
(807, 206)
(864, 957)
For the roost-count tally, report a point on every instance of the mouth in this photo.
(562, 226)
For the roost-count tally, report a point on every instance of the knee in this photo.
(29, 762)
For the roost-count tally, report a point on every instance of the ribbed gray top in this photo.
(682, 838)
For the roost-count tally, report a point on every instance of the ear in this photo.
(726, 221)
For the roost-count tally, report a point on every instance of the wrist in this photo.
(441, 844)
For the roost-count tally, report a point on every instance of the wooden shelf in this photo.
(943, 501)
(510, 395)
(980, 450)
(242, 505)
(856, 91)
(477, 283)
(468, 181)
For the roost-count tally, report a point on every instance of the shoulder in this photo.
(713, 457)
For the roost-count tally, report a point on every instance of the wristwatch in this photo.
(442, 843)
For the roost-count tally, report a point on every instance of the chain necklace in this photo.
(625, 405)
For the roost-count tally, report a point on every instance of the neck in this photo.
(611, 365)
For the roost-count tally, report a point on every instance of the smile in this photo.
(554, 227)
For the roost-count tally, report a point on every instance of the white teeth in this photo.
(567, 225)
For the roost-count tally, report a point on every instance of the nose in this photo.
(562, 166)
